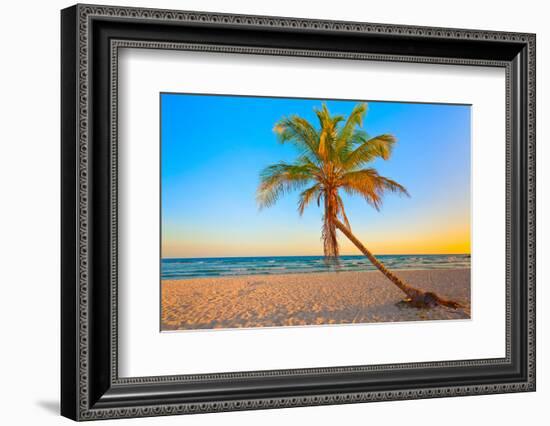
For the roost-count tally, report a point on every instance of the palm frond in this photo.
(370, 185)
(278, 179)
(328, 132)
(326, 120)
(355, 119)
(357, 137)
(307, 196)
(310, 163)
(300, 132)
(377, 147)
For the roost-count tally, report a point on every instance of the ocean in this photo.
(172, 269)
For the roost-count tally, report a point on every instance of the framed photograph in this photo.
(263, 212)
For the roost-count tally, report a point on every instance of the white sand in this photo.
(305, 299)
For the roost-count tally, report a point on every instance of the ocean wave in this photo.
(215, 267)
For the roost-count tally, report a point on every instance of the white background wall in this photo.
(29, 213)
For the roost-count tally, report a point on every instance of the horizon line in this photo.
(318, 255)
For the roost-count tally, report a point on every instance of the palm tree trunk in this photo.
(417, 297)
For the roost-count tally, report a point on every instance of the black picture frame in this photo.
(90, 386)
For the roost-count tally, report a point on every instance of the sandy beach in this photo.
(306, 299)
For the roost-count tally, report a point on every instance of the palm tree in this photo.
(331, 159)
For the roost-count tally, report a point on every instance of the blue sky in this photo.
(214, 147)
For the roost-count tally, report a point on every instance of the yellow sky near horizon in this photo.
(453, 239)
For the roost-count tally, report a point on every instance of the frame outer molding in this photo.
(76, 402)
